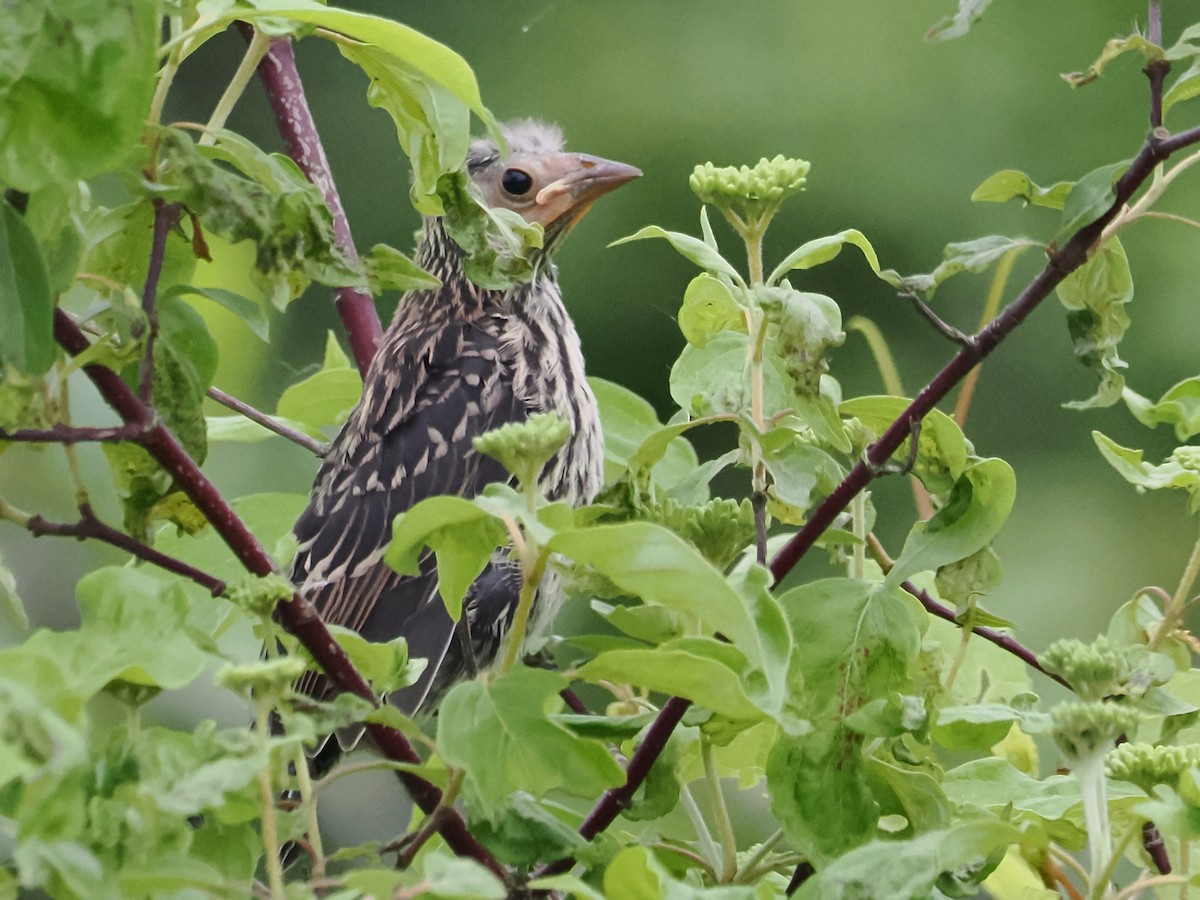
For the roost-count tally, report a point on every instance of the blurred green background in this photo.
(899, 132)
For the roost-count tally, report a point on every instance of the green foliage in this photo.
(891, 750)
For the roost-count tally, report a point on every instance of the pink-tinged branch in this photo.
(91, 527)
(285, 93)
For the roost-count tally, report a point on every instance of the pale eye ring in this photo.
(516, 182)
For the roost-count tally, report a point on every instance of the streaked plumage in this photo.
(456, 361)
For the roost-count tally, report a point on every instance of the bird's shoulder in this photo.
(430, 392)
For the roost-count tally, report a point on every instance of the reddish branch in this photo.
(999, 638)
(297, 615)
(285, 93)
(165, 217)
(616, 799)
(89, 526)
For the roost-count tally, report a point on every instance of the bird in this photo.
(457, 361)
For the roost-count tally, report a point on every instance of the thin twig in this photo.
(1156, 70)
(1004, 641)
(944, 328)
(62, 433)
(285, 93)
(317, 448)
(91, 527)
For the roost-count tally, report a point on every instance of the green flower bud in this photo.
(524, 448)
(719, 529)
(271, 676)
(749, 192)
(1084, 730)
(1147, 766)
(1094, 670)
(260, 595)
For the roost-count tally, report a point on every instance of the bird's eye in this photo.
(516, 182)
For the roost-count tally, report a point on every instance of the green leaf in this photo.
(709, 308)
(974, 727)
(498, 732)
(715, 379)
(10, 601)
(525, 832)
(1112, 50)
(636, 874)
(693, 249)
(264, 198)
(1178, 406)
(652, 563)
(185, 361)
(956, 860)
(26, 304)
(434, 61)
(1184, 87)
(456, 878)
(1181, 470)
(189, 773)
(140, 482)
(120, 241)
(627, 422)
(243, 430)
(822, 250)
(966, 256)
(390, 270)
(327, 396)
(462, 535)
(433, 125)
(385, 664)
(856, 642)
(75, 83)
(955, 26)
(799, 471)
(249, 311)
(972, 516)
(1095, 295)
(1090, 197)
(135, 630)
(1011, 184)
(703, 670)
(1053, 803)
(941, 446)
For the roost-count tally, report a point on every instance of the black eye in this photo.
(516, 182)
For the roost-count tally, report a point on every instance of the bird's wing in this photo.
(409, 438)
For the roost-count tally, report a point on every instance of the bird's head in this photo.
(539, 180)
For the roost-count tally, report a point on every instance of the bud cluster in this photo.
(1082, 730)
(752, 193)
(1146, 766)
(1094, 670)
(523, 448)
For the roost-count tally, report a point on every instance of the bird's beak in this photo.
(583, 180)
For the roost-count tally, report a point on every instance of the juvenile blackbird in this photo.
(457, 361)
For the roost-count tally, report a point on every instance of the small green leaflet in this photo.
(26, 305)
(974, 513)
(498, 732)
